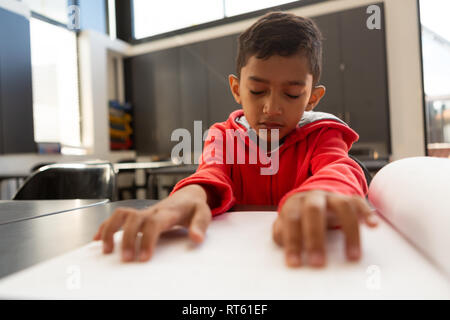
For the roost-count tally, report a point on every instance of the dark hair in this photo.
(284, 34)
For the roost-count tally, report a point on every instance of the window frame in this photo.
(125, 19)
(424, 100)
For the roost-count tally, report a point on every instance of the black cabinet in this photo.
(140, 91)
(16, 100)
(331, 78)
(166, 100)
(355, 75)
(155, 94)
(220, 59)
(364, 77)
(193, 86)
(172, 88)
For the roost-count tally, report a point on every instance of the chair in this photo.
(39, 165)
(126, 182)
(364, 168)
(95, 180)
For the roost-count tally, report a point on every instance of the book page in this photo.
(413, 194)
(238, 260)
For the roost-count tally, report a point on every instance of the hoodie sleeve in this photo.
(331, 168)
(213, 173)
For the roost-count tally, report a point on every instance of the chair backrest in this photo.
(39, 165)
(364, 168)
(70, 181)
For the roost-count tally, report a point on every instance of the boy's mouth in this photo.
(270, 125)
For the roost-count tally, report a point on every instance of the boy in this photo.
(315, 184)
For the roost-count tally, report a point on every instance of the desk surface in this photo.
(163, 167)
(144, 165)
(27, 242)
(18, 210)
(238, 260)
(181, 169)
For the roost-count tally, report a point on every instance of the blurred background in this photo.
(110, 80)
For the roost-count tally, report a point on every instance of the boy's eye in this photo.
(261, 92)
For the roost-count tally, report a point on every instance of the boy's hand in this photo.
(303, 220)
(187, 207)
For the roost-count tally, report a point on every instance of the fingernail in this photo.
(354, 253)
(197, 234)
(143, 255)
(316, 259)
(294, 259)
(127, 255)
(106, 247)
(197, 230)
(372, 220)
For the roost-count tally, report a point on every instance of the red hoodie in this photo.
(314, 156)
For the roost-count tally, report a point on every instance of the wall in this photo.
(93, 15)
(16, 7)
(403, 57)
(93, 50)
(403, 60)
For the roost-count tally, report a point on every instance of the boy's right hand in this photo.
(187, 207)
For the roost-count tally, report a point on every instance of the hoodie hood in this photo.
(310, 121)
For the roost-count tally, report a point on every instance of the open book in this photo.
(405, 257)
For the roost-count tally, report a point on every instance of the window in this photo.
(55, 84)
(53, 9)
(157, 17)
(436, 73)
(112, 19)
(235, 7)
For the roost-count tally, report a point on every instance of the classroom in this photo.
(224, 150)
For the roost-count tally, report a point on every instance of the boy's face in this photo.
(275, 92)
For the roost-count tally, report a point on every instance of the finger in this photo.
(314, 228)
(156, 223)
(200, 222)
(130, 232)
(151, 230)
(332, 220)
(365, 212)
(276, 232)
(98, 235)
(348, 219)
(292, 235)
(111, 226)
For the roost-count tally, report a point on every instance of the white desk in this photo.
(238, 260)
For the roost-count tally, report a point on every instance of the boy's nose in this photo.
(271, 106)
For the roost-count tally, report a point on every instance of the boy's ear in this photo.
(317, 93)
(234, 87)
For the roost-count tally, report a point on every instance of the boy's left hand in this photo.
(303, 220)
